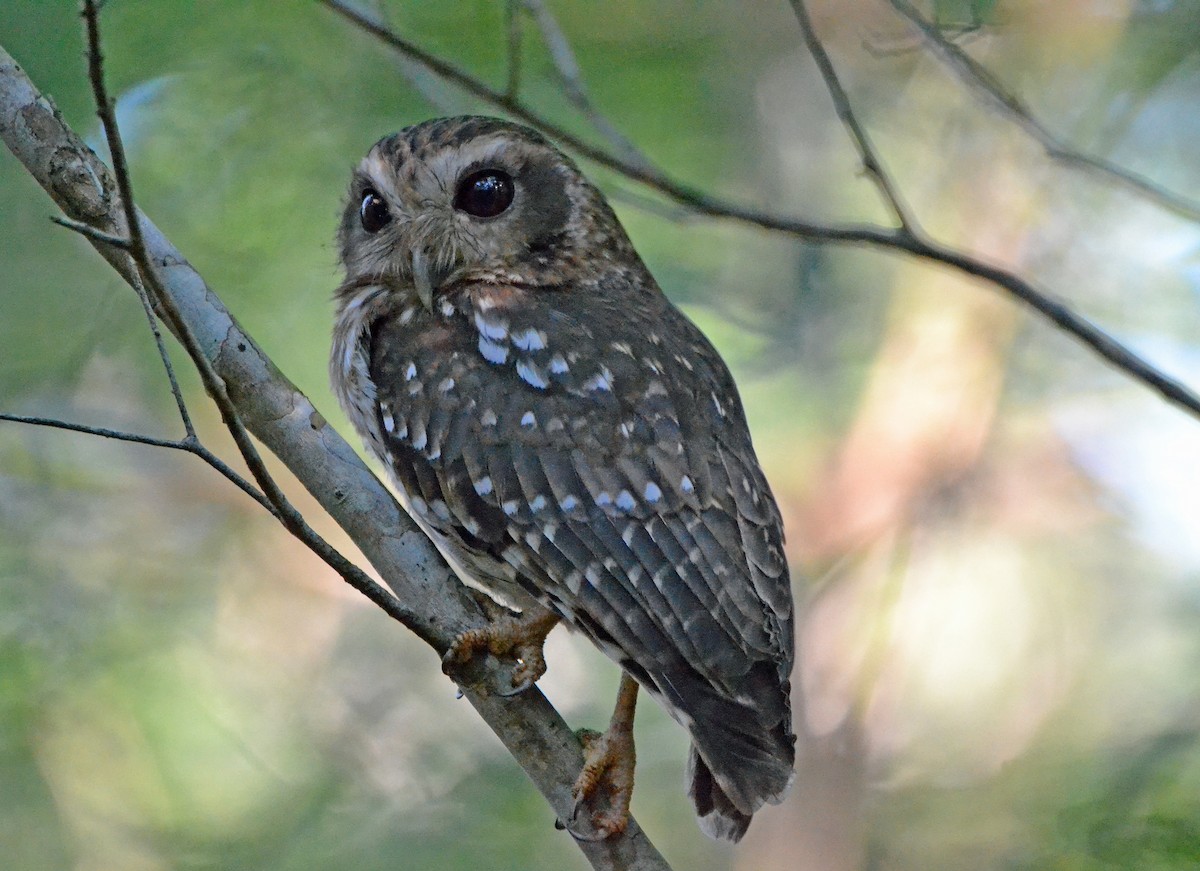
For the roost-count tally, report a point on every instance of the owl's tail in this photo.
(743, 752)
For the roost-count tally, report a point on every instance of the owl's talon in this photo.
(609, 761)
(519, 688)
(518, 637)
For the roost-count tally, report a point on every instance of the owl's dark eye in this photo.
(373, 212)
(484, 194)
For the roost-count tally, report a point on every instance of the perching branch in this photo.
(979, 78)
(283, 419)
(902, 240)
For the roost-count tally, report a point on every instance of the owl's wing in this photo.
(604, 461)
(615, 474)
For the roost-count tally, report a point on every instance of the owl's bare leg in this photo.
(609, 760)
(519, 637)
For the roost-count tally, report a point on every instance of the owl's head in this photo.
(471, 199)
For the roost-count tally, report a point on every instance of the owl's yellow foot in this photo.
(609, 761)
(518, 637)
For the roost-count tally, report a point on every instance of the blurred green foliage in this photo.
(181, 688)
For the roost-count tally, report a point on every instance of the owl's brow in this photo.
(424, 167)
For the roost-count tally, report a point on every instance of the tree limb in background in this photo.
(903, 240)
(978, 77)
(284, 420)
(841, 104)
(570, 76)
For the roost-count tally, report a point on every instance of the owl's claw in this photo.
(609, 761)
(518, 637)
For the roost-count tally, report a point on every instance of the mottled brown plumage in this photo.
(566, 436)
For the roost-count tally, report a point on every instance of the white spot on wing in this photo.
(389, 422)
(558, 365)
(686, 485)
(493, 352)
(447, 385)
(528, 419)
(569, 503)
(407, 315)
(602, 380)
(483, 486)
(490, 329)
(574, 581)
(509, 507)
(653, 493)
(411, 372)
(488, 418)
(529, 339)
(625, 501)
(538, 502)
(531, 376)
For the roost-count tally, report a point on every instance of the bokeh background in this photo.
(997, 538)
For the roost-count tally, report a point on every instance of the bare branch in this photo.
(1058, 313)
(841, 104)
(285, 421)
(976, 76)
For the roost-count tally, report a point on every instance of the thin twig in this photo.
(978, 77)
(571, 78)
(291, 519)
(91, 232)
(126, 245)
(1059, 314)
(152, 320)
(512, 19)
(841, 104)
(102, 432)
(188, 446)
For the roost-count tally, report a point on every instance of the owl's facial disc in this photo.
(460, 200)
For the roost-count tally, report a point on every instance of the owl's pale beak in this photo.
(422, 280)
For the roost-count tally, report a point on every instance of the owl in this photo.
(573, 445)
